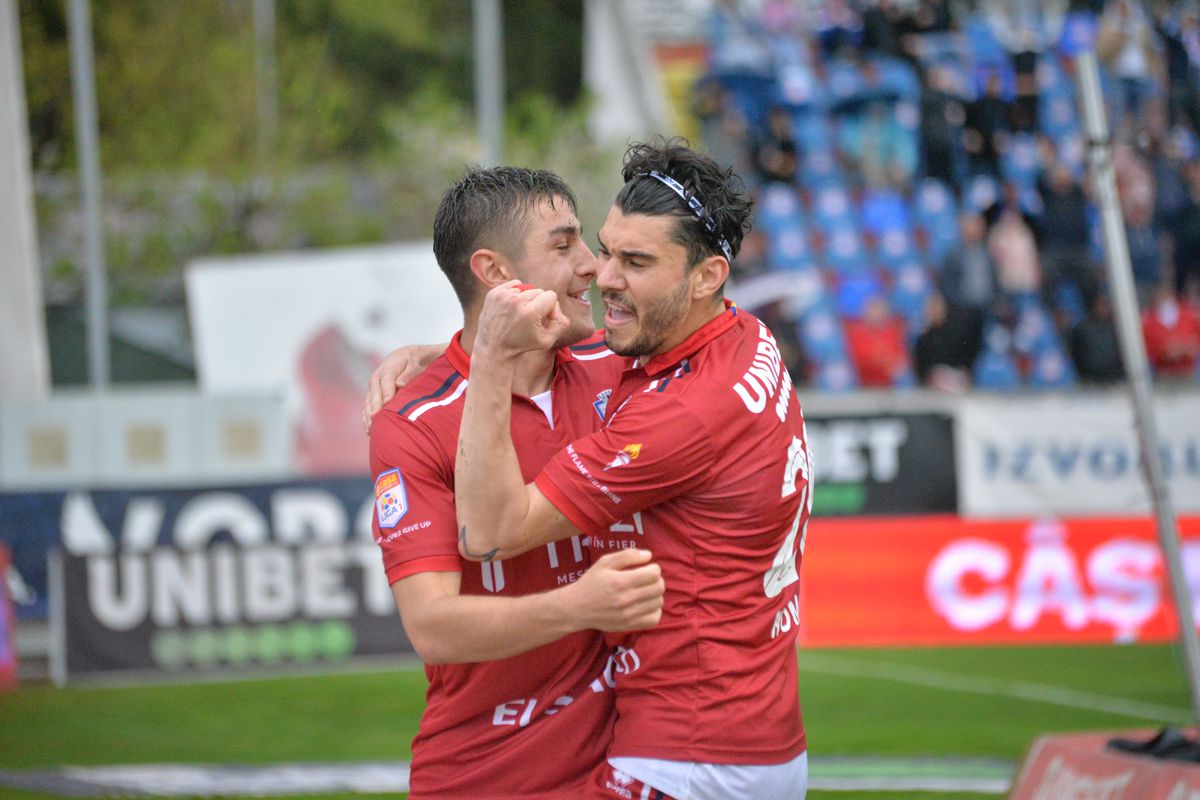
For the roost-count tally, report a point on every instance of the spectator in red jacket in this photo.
(1172, 332)
(878, 346)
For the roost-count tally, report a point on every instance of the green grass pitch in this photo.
(943, 702)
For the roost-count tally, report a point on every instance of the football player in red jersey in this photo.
(520, 698)
(702, 459)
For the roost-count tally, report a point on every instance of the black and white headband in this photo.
(695, 205)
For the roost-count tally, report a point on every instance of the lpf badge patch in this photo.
(391, 501)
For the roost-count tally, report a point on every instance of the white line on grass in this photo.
(975, 684)
(904, 784)
(833, 774)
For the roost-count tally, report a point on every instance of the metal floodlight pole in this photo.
(1133, 353)
(83, 86)
(486, 19)
(264, 75)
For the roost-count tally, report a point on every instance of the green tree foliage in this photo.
(176, 85)
(375, 105)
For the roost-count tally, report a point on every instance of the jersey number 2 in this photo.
(782, 573)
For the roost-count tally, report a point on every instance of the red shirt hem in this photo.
(560, 500)
(707, 755)
(427, 564)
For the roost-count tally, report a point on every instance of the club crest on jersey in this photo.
(601, 402)
(628, 453)
(391, 501)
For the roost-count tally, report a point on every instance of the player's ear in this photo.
(490, 268)
(708, 277)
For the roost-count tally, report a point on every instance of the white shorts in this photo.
(688, 780)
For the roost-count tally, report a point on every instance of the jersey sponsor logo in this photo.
(761, 380)
(619, 784)
(624, 458)
(587, 474)
(601, 402)
(621, 778)
(391, 501)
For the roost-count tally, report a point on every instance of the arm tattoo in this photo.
(488, 556)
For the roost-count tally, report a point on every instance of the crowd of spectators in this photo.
(925, 210)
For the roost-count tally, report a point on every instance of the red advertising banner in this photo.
(1075, 766)
(947, 581)
(8, 653)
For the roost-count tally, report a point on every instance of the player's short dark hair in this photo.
(720, 193)
(487, 208)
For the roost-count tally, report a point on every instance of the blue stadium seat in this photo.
(1051, 369)
(935, 47)
(1050, 77)
(1057, 115)
(1069, 300)
(819, 170)
(898, 78)
(981, 192)
(811, 129)
(936, 212)
(843, 79)
(779, 209)
(835, 376)
(884, 210)
(1034, 332)
(1020, 163)
(832, 205)
(854, 291)
(910, 291)
(1070, 150)
(750, 94)
(985, 48)
(844, 249)
(788, 250)
(799, 89)
(1078, 32)
(996, 371)
(821, 335)
(1188, 142)
(1097, 248)
(895, 248)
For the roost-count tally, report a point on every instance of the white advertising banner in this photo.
(309, 327)
(1075, 455)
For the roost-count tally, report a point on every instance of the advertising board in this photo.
(225, 606)
(945, 581)
(1071, 456)
(882, 463)
(309, 327)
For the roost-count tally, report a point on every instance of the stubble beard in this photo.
(655, 322)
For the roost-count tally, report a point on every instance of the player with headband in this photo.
(702, 460)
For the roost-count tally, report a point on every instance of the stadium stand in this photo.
(897, 117)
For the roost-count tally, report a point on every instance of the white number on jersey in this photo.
(783, 571)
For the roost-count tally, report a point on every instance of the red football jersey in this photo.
(535, 724)
(703, 461)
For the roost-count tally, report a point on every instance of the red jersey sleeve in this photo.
(654, 449)
(414, 521)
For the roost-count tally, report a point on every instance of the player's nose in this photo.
(607, 274)
(586, 264)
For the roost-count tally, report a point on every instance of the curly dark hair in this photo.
(722, 194)
(489, 208)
